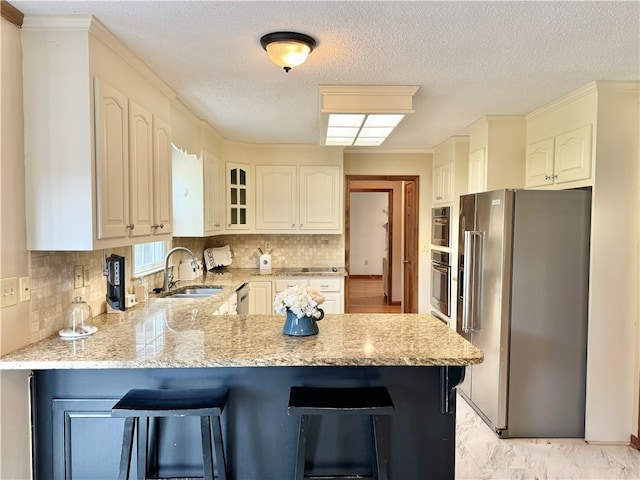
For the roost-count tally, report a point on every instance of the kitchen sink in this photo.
(193, 292)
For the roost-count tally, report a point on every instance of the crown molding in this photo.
(11, 13)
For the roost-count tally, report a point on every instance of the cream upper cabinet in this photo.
(477, 181)
(126, 168)
(276, 197)
(162, 180)
(93, 117)
(112, 161)
(562, 159)
(140, 171)
(320, 194)
(198, 194)
(213, 193)
(238, 196)
(496, 153)
(443, 183)
(303, 199)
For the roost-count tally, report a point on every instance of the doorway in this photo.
(382, 268)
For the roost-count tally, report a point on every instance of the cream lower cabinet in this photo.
(260, 297)
(332, 288)
(561, 159)
(303, 199)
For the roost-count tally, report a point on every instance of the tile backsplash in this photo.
(52, 273)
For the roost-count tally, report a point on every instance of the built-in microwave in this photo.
(440, 226)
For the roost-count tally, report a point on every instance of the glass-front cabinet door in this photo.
(238, 196)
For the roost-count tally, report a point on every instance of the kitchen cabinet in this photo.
(477, 168)
(239, 196)
(332, 288)
(497, 153)
(95, 116)
(561, 159)
(132, 167)
(260, 297)
(198, 194)
(443, 183)
(301, 198)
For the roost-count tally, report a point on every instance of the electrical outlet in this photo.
(8, 292)
(78, 276)
(25, 289)
(267, 247)
(86, 274)
(366, 262)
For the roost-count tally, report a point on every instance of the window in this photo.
(149, 257)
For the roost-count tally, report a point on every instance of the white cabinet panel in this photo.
(320, 198)
(260, 297)
(112, 121)
(573, 155)
(162, 198)
(477, 171)
(443, 183)
(140, 171)
(238, 196)
(276, 195)
(540, 163)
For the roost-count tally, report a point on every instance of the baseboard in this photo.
(379, 277)
(394, 303)
(635, 442)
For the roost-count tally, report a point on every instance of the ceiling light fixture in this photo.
(363, 115)
(288, 49)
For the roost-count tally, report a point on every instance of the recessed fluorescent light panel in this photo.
(360, 129)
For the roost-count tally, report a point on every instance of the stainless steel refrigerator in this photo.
(523, 279)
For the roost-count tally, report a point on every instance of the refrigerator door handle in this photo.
(473, 281)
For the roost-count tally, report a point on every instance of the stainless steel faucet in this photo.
(168, 272)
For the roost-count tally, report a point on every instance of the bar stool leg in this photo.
(217, 444)
(207, 455)
(143, 446)
(380, 449)
(302, 446)
(127, 446)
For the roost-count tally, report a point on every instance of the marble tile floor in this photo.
(480, 455)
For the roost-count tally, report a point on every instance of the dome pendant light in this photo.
(288, 49)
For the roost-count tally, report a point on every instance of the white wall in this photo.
(14, 320)
(367, 233)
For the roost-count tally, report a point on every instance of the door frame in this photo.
(347, 227)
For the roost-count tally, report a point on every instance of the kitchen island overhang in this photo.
(163, 345)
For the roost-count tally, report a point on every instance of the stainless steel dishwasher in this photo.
(243, 299)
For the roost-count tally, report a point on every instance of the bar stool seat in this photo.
(138, 404)
(371, 401)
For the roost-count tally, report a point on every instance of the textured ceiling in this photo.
(469, 58)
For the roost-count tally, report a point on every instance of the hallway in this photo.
(367, 296)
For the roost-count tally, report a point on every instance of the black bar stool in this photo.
(371, 401)
(142, 404)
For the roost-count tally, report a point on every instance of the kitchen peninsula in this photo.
(178, 343)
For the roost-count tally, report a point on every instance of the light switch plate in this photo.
(8, 292)
(25, 289)
(86, 273)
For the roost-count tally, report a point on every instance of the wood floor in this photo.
(367, 296)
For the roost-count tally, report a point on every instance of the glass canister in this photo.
(78, 319)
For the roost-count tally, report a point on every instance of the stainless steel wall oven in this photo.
(440, 226)
(440, 281)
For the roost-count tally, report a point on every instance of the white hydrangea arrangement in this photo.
(300, 299)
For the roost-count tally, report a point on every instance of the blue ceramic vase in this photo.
(301, 327)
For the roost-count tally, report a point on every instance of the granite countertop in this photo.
(183, 333)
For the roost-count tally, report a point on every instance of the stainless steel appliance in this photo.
(243, 299)
(440, 282)
(523, 275)
(440, 226)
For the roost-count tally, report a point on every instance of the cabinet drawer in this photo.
(285, 283)
(326, 284)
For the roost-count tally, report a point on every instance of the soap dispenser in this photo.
(78, 320)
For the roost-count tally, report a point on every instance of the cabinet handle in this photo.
(554, 176)
(293, 225)
(301, 225)
(161, 225)
(131, 226)
(547, 177)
